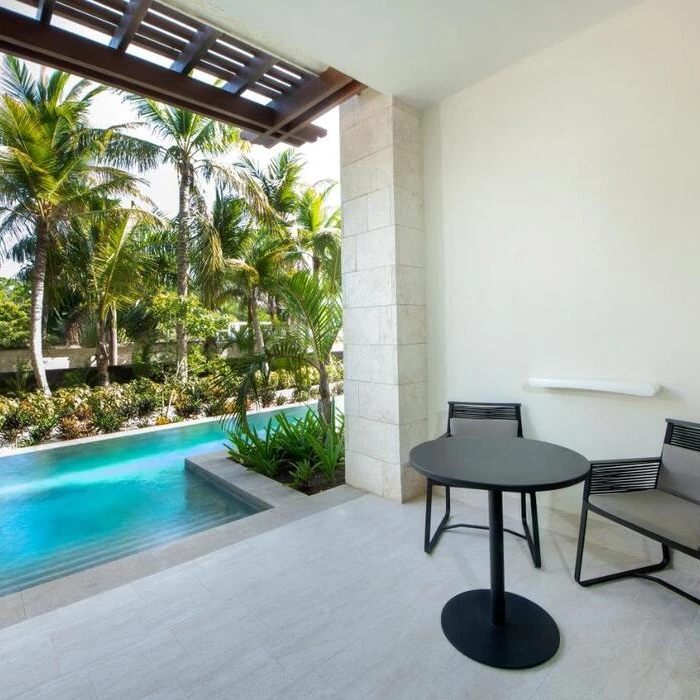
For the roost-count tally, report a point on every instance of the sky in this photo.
(322, 157)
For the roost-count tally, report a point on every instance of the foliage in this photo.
(169, 309)
(293, 450)
(14, 313)
(53, 166)
(108, 408)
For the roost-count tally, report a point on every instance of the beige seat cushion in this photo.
(669, 516)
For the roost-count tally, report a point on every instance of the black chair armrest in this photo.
(616, 475)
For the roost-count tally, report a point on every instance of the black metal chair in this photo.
(497, 420)
(658, 497)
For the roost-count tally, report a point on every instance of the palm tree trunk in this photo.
(183, 266)
(258, 342)
(113, 338)
(102, 350)
(324, 389)
(37, 312)
(73, 329)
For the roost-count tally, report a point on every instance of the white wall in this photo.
(563, 233)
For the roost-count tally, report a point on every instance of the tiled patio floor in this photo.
(344, 604)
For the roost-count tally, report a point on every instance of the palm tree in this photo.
(52, 166)
(107, 267)
(234, 258)
(277, 183)
(318, 231)
(191, 142)
(317, 317)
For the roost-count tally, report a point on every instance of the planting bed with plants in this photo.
(307, 454)
(32, 418)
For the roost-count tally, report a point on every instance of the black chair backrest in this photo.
(680, 460)
(493, 419)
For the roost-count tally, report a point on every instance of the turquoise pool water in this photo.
(75, 506)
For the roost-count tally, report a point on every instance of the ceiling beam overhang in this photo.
(245, 75)
(64, 50)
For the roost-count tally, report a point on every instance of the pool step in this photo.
(89, 554)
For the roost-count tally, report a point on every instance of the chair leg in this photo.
(428, 541)
(532, 537)
(639, 572)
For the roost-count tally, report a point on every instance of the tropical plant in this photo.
(317, 317)
(190, 143)
(237, 256)
(106, 271)
(330, 450)
(318, 232)
(291, 450)
(53, 165)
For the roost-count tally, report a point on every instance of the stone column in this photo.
(384, 292)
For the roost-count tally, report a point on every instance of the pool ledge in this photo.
(258, 490)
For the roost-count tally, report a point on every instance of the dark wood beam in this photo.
(128, 26)
(44, 11)
(342, 95)
(305, 97)
(200, 43)
(255, 69)
(58, 48)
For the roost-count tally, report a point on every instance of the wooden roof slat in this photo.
(156, 47)
(90, 8)
(80, 17)
(128, 26)
(154, 34)
(263, 90)
(159, 21)
(296, 95)
(214, 69)
(195, 50)
(44, 10)
(255, 69)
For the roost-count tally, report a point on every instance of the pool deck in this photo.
(343, 603)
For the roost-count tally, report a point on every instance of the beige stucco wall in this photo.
(563, 233)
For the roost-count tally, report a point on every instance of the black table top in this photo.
(509, 464)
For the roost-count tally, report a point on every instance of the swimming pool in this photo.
(72, 507)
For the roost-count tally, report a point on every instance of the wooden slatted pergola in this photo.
(146, 47)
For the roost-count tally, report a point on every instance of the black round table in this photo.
(492, 626)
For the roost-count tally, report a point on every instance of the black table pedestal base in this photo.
(529, 637)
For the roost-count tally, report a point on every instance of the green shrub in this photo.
(70, 428)
(259, 453)
(192, 397)
(330, 452)
(293, 450)
(41, 431)
(107, 404)
(338, 388)
(142, 397)
(302, 473)
(280, 400)
(267, 395)
(16, 419)
(300, 394)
